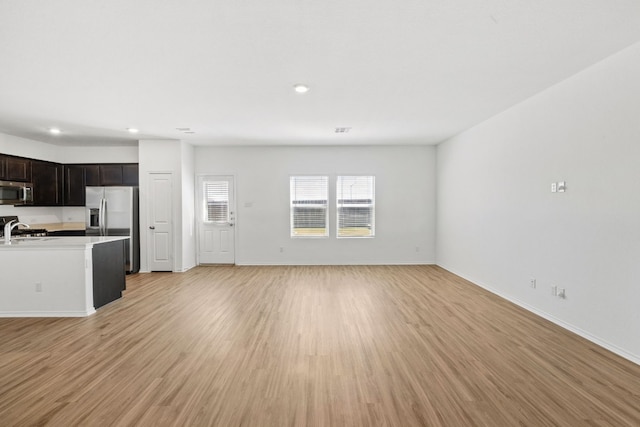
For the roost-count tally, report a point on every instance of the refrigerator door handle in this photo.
(104, 215)
(101, 217)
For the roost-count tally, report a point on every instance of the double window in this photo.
(355, 206)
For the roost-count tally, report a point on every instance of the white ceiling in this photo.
(395, 71)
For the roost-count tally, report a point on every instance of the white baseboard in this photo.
(46, 313)
(257, 264)
(572, 328)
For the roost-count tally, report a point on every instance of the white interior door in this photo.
(160, 234)
(216, 220)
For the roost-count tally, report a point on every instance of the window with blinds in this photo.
(216, 196)
(355, 206)
(309, 203)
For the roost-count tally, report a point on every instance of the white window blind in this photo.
(216, 196)
(309, 201)
(355, 206)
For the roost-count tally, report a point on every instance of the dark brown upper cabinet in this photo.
(3, 167)
(110, 174)
(15, 168)
(130, 174)
(74, 185)
(92, 175)
(47, 183)
(55, 184)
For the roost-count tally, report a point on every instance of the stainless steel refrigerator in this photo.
(113, 211)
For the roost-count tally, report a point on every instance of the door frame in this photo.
(198, 211)
(147, 220)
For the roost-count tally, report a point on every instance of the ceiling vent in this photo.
(342, 130)
(185, 130)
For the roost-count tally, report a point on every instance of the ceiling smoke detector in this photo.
(342, 130)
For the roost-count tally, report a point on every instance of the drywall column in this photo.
(175, 157)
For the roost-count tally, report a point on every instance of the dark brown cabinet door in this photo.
(47, 183)
(74, 185)
(130, 174)
(18, 169)
(110, 174)
(3, 167)
(92, 175)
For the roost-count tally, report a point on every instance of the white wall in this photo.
(98, 154)
(405, 202)
(499, 225)
(22, 147)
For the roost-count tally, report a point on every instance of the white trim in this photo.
(198, 218)
(364, 264)
(47, 313)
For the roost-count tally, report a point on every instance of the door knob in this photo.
(151, 227)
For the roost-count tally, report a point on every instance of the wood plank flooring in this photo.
(309, 346)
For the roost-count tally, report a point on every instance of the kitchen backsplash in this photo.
(44, 214)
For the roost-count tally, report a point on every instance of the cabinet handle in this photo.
(151, 227)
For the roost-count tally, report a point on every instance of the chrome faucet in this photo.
(10, 226)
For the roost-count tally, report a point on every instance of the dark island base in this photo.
(108, 272)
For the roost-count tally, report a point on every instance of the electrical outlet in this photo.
(554, 187)
(417, 248)
(38, 287)
(562, 186)
(532, 283)
(554, 291)
(281, 249)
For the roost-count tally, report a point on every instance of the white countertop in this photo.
(57, 242)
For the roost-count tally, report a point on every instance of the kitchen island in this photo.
(60, 276)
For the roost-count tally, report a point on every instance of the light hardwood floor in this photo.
(309, 346)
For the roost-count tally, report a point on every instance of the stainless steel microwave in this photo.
(16, 193)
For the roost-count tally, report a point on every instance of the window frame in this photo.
(292, 219)
(340, 205)
(205, 212)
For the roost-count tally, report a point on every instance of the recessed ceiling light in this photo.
(300, 88)
(132, 130)
(54, 131)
